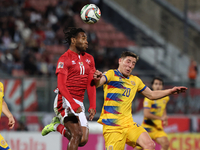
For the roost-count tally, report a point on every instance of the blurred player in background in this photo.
(154, 115)
(120, 88)
(75, 69)
(11, 120)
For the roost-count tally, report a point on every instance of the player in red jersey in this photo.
(75, 69)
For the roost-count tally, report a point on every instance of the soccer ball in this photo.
(90, 13)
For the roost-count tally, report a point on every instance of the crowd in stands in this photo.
(31, 35)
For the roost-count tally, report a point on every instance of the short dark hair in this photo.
(71, 33)
(128, 53)
(157, 78)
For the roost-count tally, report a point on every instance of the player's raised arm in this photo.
(99, 78)
(153, 95)
(100, 82)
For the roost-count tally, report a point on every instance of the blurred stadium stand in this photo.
(31, 41)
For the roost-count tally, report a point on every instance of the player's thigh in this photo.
(114, 140)
(133, 134)
(3, 144)
(84, 126)
(72, 123)
(85, 133)
(144, 139)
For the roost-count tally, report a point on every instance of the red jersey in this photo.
(77, 68)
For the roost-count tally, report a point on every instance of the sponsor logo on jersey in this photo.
(88, 61)
(73, 62)
(60, 64)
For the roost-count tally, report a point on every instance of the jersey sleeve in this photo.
(108, 75)
(92, 65)
(147, 103)
(141, 85)
(62, 66)
(2, 89)
(167, 98)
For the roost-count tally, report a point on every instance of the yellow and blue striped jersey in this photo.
(157, 108)
(119, 93)
(1, 97)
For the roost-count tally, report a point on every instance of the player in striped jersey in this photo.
(155, 115)
(11, 121)
(120, 88)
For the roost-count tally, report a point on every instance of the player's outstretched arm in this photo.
(153, 95)
(97, 75)
(99, 81)
(6, 111)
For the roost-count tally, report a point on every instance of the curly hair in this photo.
(72, 33)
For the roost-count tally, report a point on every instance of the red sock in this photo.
(61, 128)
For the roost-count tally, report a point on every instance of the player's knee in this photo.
(77, 135)
(83, 142)
(150, 145)
(165, 145)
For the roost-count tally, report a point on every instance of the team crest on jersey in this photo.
(81, 63)
(60, 64)
(109, 147)
(88, 61)
(120, 79)
(133, 83)
(3, 142)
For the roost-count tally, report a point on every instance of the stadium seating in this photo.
(107, 34)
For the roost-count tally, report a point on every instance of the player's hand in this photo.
(179, 89)
(165, 123)
(92, 113)
(97, 75)
(11, 122)
(79, 110)
(164, 118)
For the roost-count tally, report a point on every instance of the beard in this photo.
(80, 48)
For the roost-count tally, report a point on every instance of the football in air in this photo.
(90, 14)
